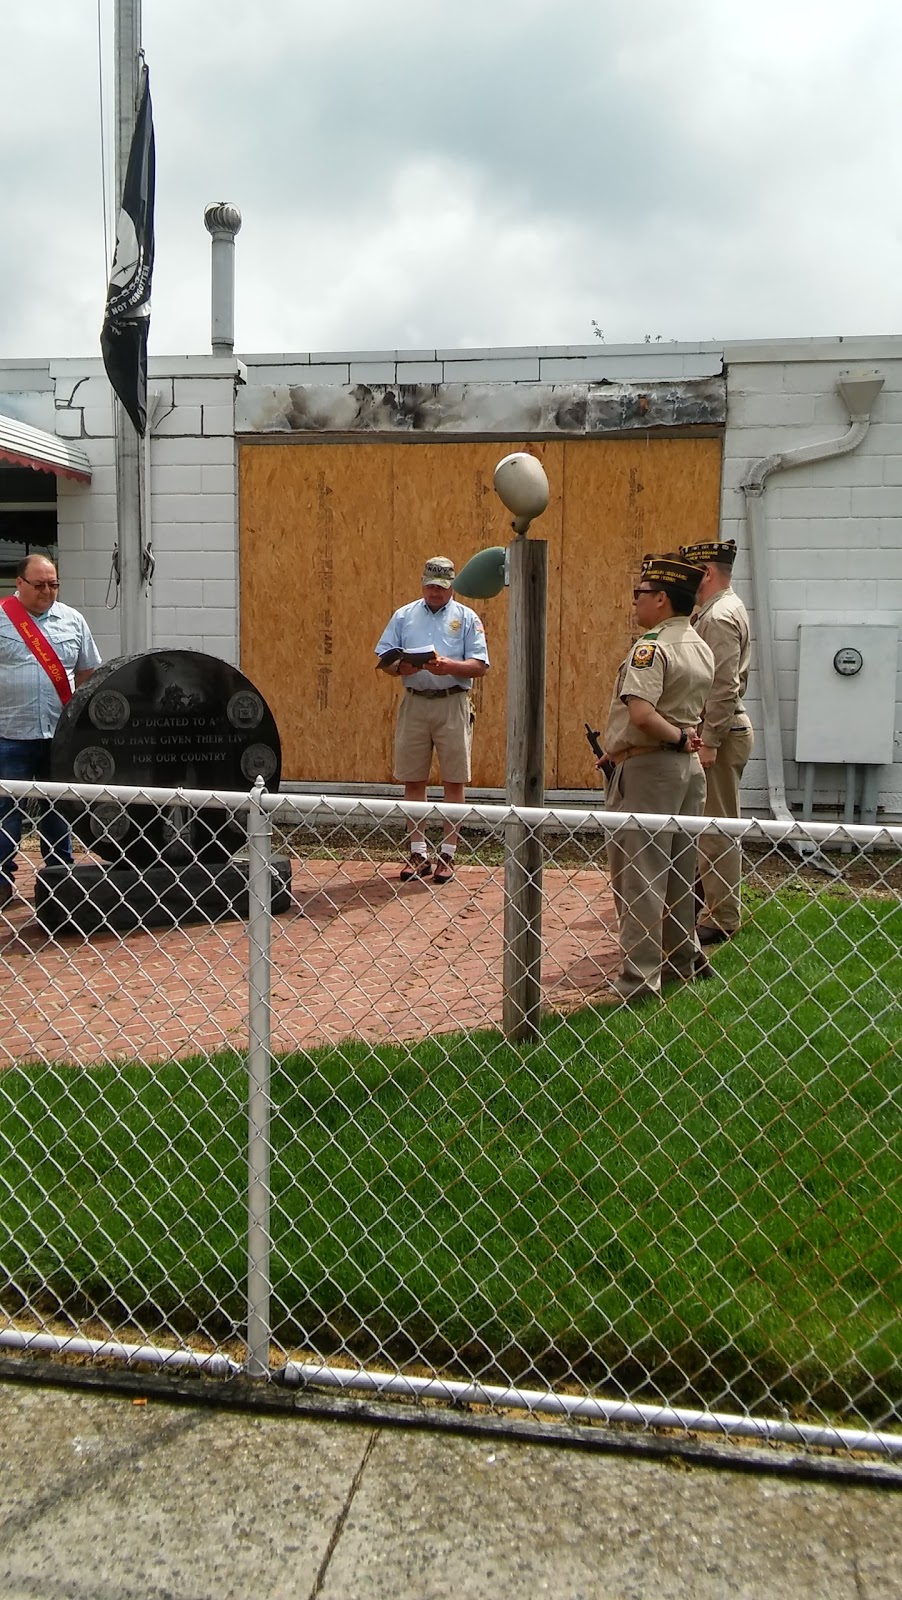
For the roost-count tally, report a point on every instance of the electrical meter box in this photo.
(847, 692)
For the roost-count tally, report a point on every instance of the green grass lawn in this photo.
(701, 1199)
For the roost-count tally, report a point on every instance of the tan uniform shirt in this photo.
(723, 623)
(673, 669)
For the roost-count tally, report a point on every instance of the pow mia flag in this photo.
(123, 339)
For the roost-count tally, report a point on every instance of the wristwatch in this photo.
(683, 740)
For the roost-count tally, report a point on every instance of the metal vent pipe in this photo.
(222, 221)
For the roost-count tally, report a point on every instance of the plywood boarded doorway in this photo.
(333, 537)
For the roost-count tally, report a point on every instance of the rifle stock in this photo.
(605, 766)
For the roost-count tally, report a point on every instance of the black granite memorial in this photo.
(166, 719)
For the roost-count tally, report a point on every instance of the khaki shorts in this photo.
(445, 726)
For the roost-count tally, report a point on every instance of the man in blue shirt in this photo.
(435, 711)
(30, 707)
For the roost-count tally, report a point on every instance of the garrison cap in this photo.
(722, 551)
(670, 569)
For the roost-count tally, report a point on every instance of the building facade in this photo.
(292, 499)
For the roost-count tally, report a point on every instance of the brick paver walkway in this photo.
(359, 955)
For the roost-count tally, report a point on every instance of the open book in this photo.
(413, 658)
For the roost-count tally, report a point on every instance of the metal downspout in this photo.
(859, 393)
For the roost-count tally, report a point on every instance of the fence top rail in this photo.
(301, 808)
(572, 820)
(131, 794)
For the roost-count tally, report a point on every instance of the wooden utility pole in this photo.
(527, 605)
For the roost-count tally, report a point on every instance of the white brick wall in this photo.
(835, 531)
(195, 516)
(193, 482)
(563, 363)
(834, 527)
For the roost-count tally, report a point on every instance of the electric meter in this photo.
(848, 661)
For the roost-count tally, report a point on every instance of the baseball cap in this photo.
(440, 571)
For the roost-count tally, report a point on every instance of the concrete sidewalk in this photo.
(109, 1498)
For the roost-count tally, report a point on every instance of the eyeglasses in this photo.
(637, 592)
(45, 583)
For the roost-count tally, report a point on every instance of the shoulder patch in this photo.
(643, 655)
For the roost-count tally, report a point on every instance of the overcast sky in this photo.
(467, 172)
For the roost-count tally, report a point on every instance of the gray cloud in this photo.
(496, 173)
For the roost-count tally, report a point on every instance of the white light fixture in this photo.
(521, 485)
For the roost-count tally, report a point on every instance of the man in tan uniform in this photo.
(651, 739)
(726, 734)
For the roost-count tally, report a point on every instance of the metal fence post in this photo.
(259, 940)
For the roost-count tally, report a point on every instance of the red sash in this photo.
(40, 647)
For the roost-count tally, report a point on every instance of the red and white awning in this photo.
(22, 446)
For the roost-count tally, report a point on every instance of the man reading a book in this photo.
(436, 646)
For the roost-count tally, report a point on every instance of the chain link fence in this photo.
(273, 1111)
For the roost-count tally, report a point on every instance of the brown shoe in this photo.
(444, 869)
(416, 866)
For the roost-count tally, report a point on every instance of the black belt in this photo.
(438, 694)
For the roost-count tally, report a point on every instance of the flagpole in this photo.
(135, 618)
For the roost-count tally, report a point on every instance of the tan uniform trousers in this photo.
(720, 859)
(653, 875)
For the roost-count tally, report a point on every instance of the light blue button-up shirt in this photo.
(29, 704)
(454, 631)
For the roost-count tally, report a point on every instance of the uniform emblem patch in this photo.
(643, 655)
(454, 627)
